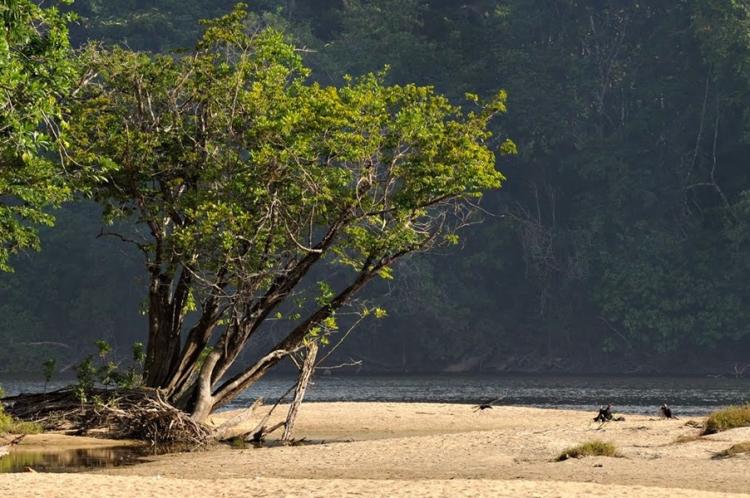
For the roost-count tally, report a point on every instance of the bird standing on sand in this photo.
(666, 412)
(605, 414)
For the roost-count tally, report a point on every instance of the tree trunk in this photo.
(308, 367)
(161, 353)
(166, 316)
(204, 402)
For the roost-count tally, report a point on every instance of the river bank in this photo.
(411, 449)
(695, 396)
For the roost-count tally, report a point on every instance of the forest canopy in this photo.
(619, 241)
(36, 71)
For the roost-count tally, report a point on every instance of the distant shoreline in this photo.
(630, 394)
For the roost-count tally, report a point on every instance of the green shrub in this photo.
(238, 443)
(589, 448)
(9, 425)
(728, 418)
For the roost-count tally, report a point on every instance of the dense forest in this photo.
(619, 242)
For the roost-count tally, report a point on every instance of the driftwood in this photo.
(143, 414)
(122, 414)
(260, 431)
(228, 430)
(306, 370)
(264, 431)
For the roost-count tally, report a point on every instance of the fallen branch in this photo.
(225, 431)
(260, 431)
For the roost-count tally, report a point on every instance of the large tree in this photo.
(36, 71)
(242, 180)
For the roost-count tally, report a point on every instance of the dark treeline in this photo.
(618, 243)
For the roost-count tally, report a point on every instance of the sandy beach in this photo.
(392, 449)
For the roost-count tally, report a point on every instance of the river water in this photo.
(686, 395)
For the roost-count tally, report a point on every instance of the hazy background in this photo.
(618, 244)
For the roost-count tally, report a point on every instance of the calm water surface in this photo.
(686, 395)
(76, 460)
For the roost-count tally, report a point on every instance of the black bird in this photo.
(605, 414)
(666, 412)
(485, 406)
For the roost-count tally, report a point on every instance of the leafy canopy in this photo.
(239, 167)
(36, 71)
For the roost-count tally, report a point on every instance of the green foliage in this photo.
(49, 366)
(240, 170)
(103, 371)
(202, 357)
(594, 447)
(621, 240)
(330, 134)
(157, 26)
(36, 71)
(627, 221)
(104, 348)
(10, 425)
(728, 418)
(86, 375)
(238, 443)
(326, 293)
(139, 353)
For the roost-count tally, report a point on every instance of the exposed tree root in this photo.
(134, 414)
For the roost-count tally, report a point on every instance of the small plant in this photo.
(48, 367)
(238, 443)
(589, 448)
(104, 348)
(734, 450)
(139, 353)
(133, 377)
(101, 370)
(86, 374)
(728, 418)
(10, 425)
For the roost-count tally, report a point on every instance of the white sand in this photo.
(391, 449)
